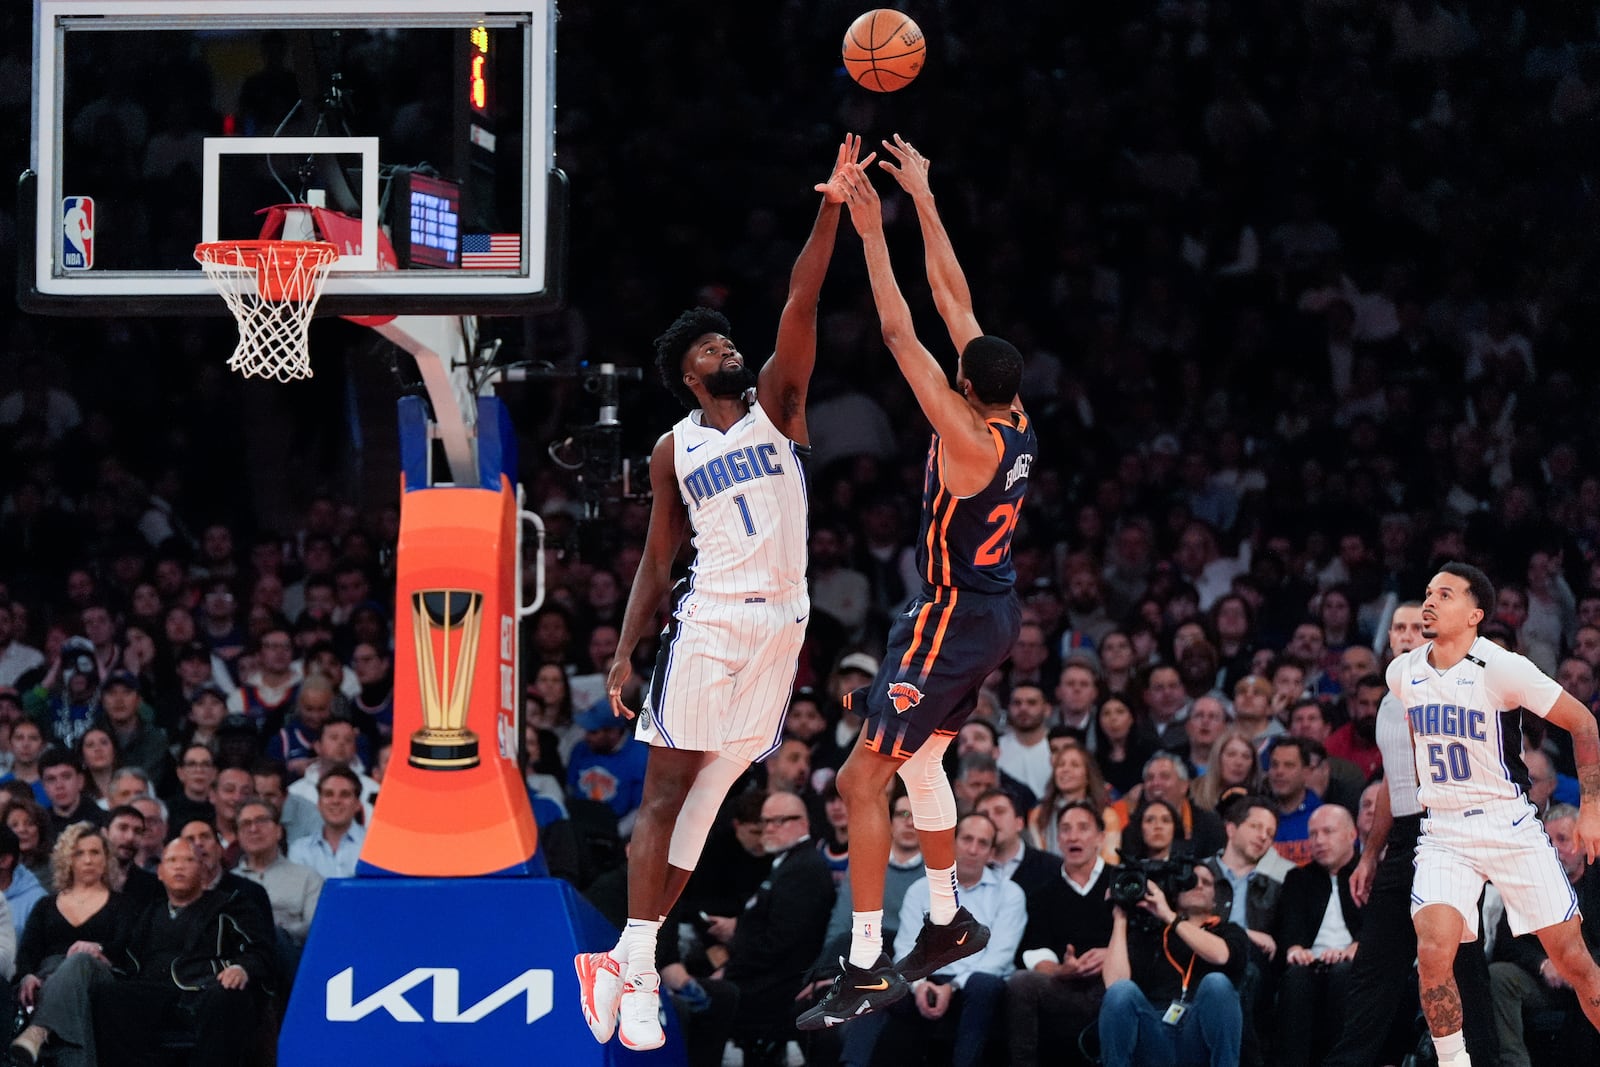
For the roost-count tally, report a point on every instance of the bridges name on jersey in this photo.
(732, 468)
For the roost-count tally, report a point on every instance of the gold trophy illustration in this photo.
(447, 624)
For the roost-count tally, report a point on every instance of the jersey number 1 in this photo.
(744, 513)
(1004, 519)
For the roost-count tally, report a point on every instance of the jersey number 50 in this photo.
(1449, 762)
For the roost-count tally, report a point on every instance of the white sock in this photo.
(866, 938)
(942, 895)
(1452, 1050)
(638, 947)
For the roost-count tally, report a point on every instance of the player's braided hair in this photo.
(672, 345)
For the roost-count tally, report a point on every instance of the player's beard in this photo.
(730, 383)
(1429, 632)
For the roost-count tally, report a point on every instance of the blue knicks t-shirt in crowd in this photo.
(613, 778)
(1294, 831)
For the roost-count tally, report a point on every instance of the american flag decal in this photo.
(491, 251)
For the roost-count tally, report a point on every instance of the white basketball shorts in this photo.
(725, 673)
(1502, 842)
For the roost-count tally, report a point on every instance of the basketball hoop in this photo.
(272, 289)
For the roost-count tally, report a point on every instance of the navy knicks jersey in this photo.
(966, 541)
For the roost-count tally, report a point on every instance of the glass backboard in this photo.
(420, 130)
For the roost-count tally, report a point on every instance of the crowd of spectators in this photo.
(1300, 291)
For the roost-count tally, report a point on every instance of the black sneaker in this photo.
(940, 946)
(857, 991)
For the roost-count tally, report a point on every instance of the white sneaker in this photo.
(600, 982)
(640, 1015)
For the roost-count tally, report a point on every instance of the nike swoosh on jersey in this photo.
(801, 618)
(691, 448)
(1418, 681)
(1518, 822)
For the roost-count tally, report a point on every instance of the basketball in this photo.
(883, 50)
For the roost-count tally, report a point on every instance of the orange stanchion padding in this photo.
(453, 803)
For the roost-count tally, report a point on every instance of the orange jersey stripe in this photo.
(916, 635)
(937, 548)
(938, 635)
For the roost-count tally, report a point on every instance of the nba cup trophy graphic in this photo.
(445, 623)
(449, 947)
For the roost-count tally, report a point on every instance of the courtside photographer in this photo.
(1170, 971)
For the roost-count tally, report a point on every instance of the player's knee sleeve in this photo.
(933, 802)
(700, 809)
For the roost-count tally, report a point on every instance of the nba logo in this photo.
(77, 233)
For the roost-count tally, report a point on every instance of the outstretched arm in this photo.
(783, 381)
(669, 521)
(959, 426)
(951, 294)
(1578, 721)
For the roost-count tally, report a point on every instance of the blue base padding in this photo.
(446, 972)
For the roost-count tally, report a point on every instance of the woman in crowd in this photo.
(1230, 765)
(1074, 775)
(1121, 744)
(1160, 831)
(1117, 663)
(66, 946)
(140, 656)
(544, 773)
(27, 819)
(97, 751)
(550, 682)
(144, 609)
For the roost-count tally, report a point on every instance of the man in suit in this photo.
(1013, 859)
(190, 960)
(1319, 942)
(1057, 990)
(773, 941)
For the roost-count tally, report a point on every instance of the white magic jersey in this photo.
(745, 492)
(1465, 722)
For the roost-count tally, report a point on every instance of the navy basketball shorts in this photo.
(941, 648)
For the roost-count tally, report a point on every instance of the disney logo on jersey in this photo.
(729, 469)
(1019, 469)
(904, 696)
(1449, 720)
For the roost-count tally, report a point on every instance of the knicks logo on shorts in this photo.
(904, 696)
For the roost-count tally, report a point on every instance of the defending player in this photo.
(1462, 694)
(730, 472)
(962, 625)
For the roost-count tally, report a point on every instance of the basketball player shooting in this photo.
(957, 630)
(1462, 694)
(729, 473)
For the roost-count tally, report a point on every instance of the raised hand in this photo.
(866, 210)
(912, 173)
(832, 190)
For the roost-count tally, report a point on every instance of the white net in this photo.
(272, 288)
